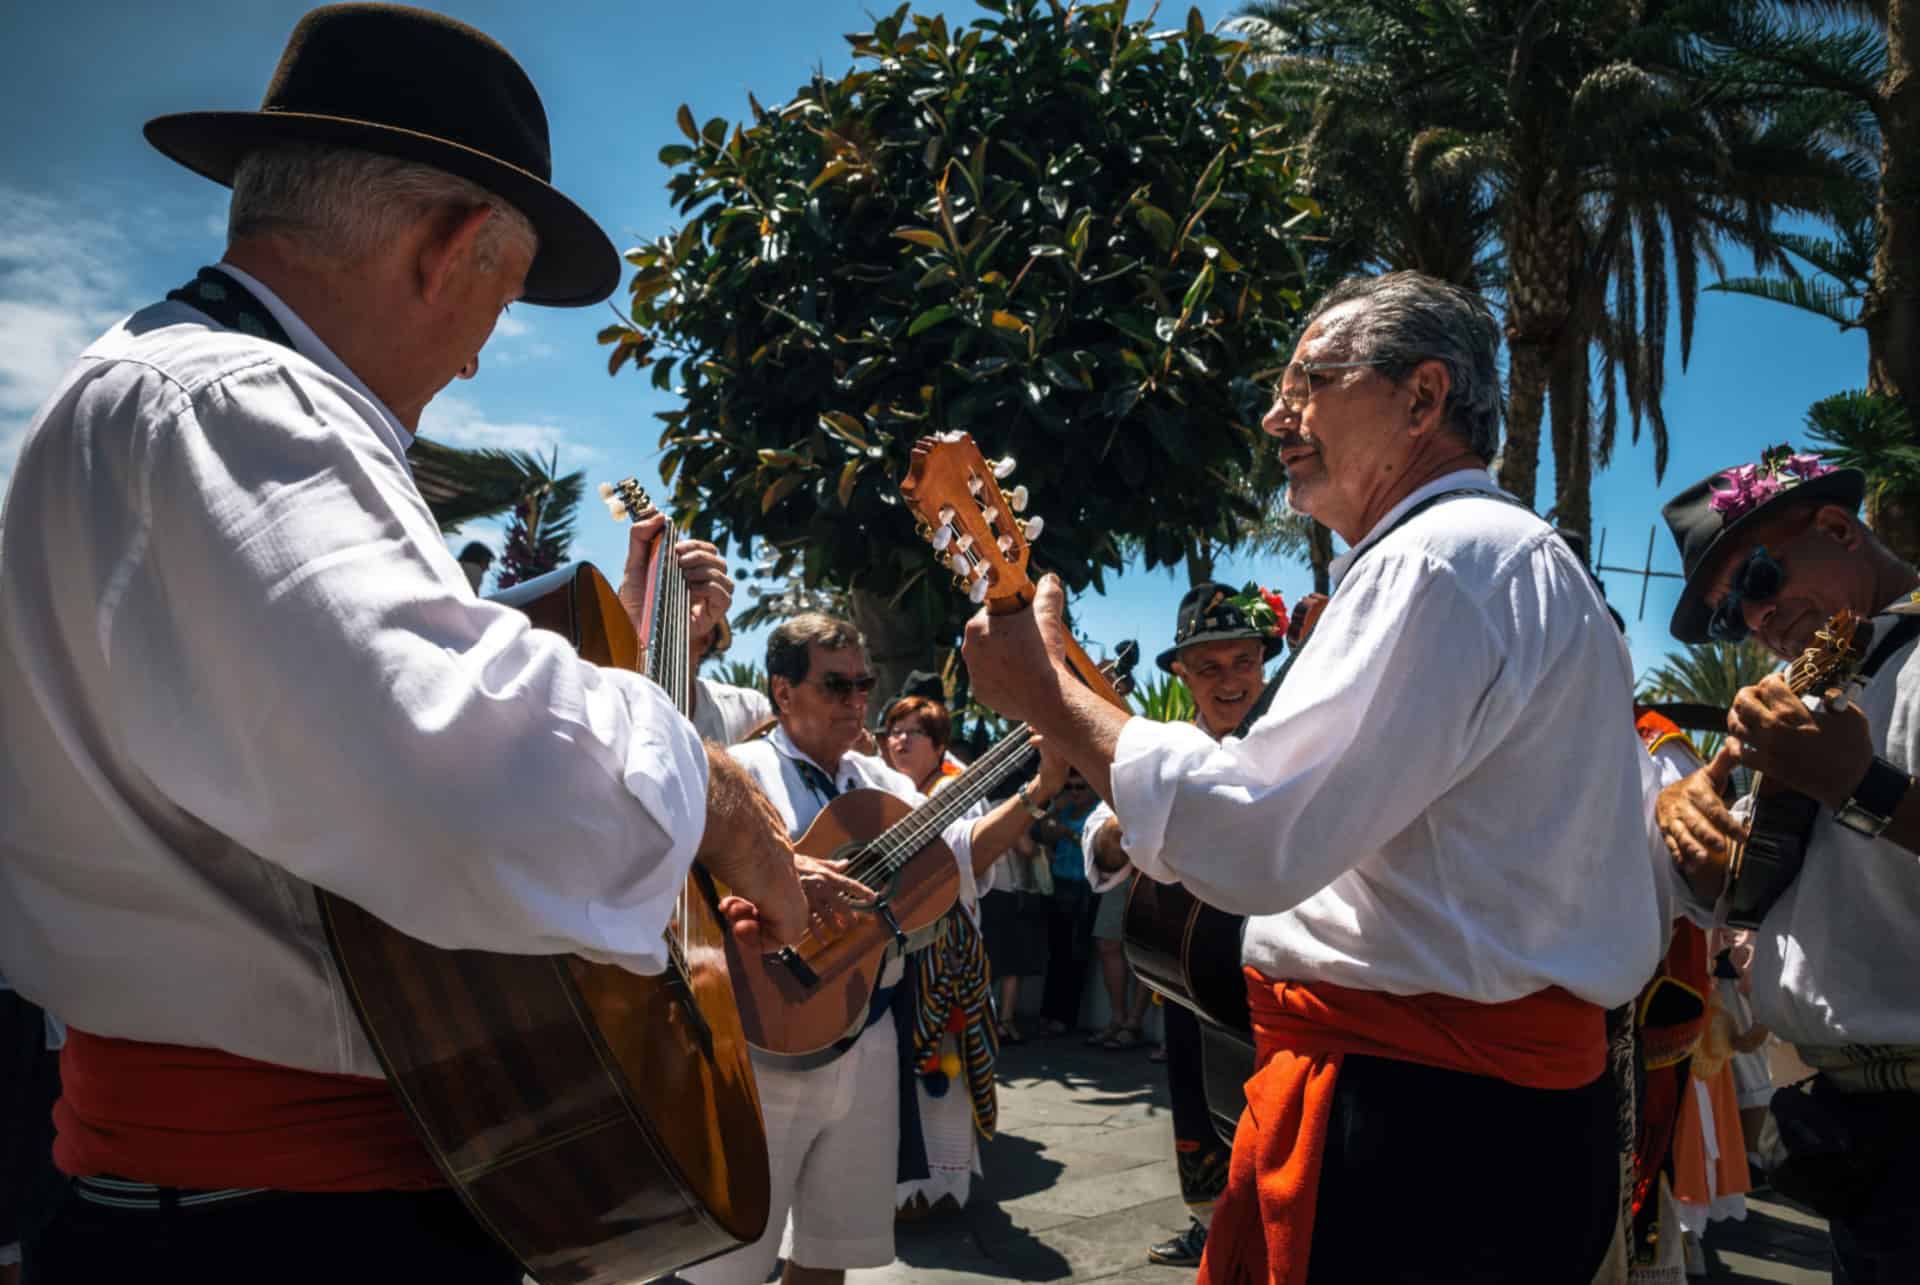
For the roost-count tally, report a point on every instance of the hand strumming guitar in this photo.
(746, 847)
(1699, 830)
(1822, 753)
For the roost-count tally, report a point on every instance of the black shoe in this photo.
(1182, 1250)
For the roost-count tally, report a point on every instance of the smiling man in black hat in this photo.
(1774, 550)
(238, 662)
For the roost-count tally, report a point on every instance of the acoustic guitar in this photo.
(804, 1001)
(1762, 866)
(604, 1126)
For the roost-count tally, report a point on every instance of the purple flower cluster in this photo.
(1751, 485)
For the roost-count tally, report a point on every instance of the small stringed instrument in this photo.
(1768, 860)
(604, 1126)
(803, 1001)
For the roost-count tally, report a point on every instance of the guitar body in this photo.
(1226, 1064)
(604, 1126)
(800, 1004)
(1187, 951)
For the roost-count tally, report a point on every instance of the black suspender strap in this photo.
(232, 305)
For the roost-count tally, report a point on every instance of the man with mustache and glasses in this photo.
(1773, 550)
(1439, 828)
(833, 1129)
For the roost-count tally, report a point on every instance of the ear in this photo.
(448, 246)
(1834, 522)
(1429, 383)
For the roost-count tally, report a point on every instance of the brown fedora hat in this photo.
(420, 87)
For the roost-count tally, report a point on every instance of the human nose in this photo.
(1277, 421)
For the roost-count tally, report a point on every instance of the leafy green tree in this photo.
(1604, 147)
(1072, 236)
(1872, 432)
(1164, 699)
(742, 673)
(541, 530)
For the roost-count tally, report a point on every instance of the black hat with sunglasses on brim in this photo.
(1710, 514)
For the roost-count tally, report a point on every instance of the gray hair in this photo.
(343, 203)
(1404, 318)
(790, 644)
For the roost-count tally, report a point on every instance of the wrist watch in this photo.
(1034, 811)
(1875, 799)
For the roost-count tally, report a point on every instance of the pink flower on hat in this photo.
(1751, 485)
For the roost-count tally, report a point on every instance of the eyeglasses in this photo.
(1295, 389)
(907, 733)
(1757, 579)
(839, 686)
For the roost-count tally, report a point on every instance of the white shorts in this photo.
(833, 1141)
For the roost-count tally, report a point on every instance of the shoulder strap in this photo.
(1890, 634)
(232, 305)
(1265, 701)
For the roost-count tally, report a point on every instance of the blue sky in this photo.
(94, 223)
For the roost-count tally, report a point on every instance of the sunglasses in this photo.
(1757, 579)
(839, 686)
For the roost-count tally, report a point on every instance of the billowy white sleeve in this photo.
(1359, 741)
(1102, 880)
(299, 663)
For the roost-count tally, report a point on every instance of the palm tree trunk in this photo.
(1572, 444)
(1892, 310)
(1526, 403)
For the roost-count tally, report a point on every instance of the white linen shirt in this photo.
(237, 662)
(773, 761)
(1835, 960)
(724, 714)
(1447, 795)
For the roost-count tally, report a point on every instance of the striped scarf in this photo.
(953, 974)
(1866, 1068)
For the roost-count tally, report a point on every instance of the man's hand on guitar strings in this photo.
(831, 893)
(1822, 752)
(709, 587)
(746, 847)
(1699, 831)
(1017, 662)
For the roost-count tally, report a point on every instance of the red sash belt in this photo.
(1263, 1224)
(208, 1120)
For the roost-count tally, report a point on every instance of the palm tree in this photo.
(541, 530)
(1711, 674)
(1860, 53)
(1603, 145)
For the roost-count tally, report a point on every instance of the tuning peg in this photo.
(978, 593)
(946, 515)
(963, 542)
(974, 483)
(960, 565)
(991, 515)
(1017, 499)
(617, 509)
(606, 490)
(1003, 468)
(1006, 545)
(1033, 527)
(941, 538)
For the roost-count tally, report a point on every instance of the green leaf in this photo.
(684, 118)
(849, 475)
(1157, 222)
(930, 318)
(844, 426)
(676, 154)
(922, 236)
(779, 491)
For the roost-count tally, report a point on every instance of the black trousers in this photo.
(1444, 1178)
(1880, 1244)
(29, 1083)
(1199, 1155)
(1069, 944)
(289, 1238)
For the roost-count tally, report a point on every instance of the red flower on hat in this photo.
(1264, 609)
(1751, 485)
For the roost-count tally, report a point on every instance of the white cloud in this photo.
(61, 284)
(458, 422)
(516, 340)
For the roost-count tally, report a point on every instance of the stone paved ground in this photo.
(1080, 1181)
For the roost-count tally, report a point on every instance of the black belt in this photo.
(118, 1193)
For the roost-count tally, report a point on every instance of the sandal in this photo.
(1123, 1037)
(1010, 1034)
(1099, 1038)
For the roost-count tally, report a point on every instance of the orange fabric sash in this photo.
(1263, 1223)
(208, 1120)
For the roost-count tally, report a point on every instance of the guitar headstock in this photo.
(627, 500)
(974, 527)
(1836, 652)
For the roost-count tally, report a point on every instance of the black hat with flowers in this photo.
(1716, 509)
(1213, 612)
(422, 87)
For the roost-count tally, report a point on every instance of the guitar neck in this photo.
(665, 639)
(916, 829)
